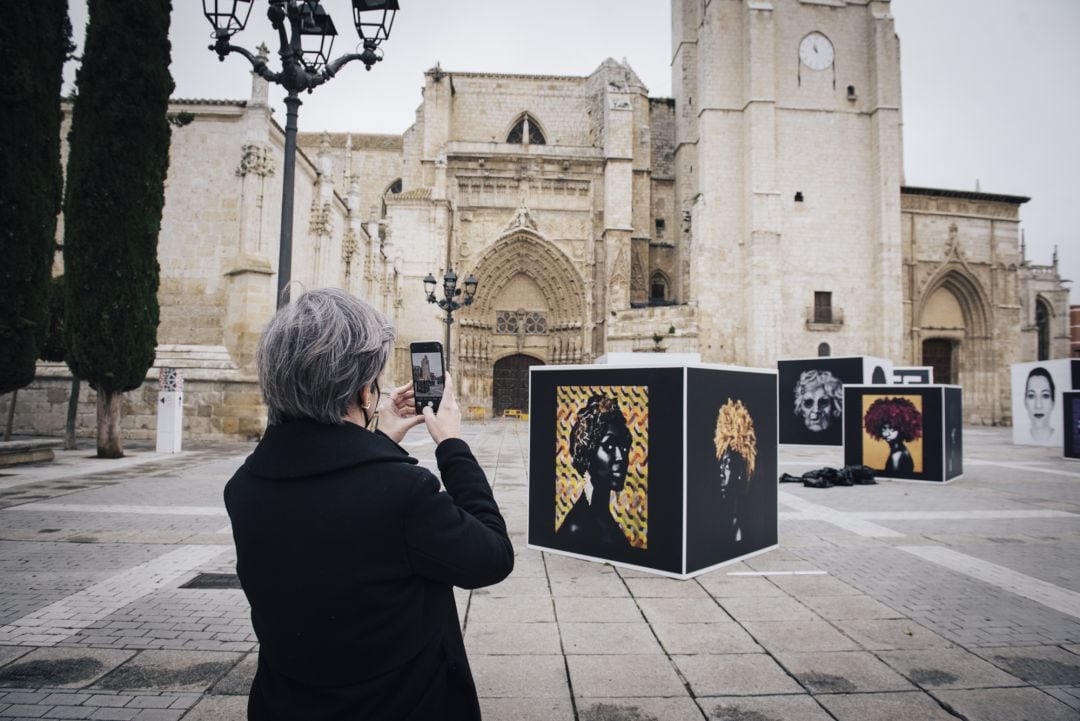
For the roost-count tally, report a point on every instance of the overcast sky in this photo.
(990, 87)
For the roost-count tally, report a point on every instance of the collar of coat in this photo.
(303, 448)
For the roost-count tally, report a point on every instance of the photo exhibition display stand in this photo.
(811, 406)
(1071, 424)
(1037, 389)
(905, 432)
(669, 468)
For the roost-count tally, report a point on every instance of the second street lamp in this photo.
(306, 34)
(449, 302)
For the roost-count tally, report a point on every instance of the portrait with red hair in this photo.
(896, 421)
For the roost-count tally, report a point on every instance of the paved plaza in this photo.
(895, 601)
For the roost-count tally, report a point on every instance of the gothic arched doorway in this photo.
(510, 383)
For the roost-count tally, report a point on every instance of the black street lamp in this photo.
(306, 33)
(450, 292)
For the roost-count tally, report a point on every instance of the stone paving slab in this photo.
(682, 610)
(886, 707)
(624, 676)
(608, 638)
(606, 584)
(59, 667)
(846, 608)
(1007, 704)
(764, 708)
(694, 638)
(948, 668)
(735, 675)
(1038, 665)
(520, 676)
(843, 672)
(527, 709)
(892, 634)
(191, 671)
(512, 638)
(794, 636)
(769, 608)
(637, 709)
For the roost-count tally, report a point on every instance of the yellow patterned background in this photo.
(631, 508)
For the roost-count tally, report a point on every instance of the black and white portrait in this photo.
(811, 402)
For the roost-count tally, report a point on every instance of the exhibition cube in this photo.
(905, 433)
(1037, 389)
(811, 399)
(1071, 423)
(669, 468)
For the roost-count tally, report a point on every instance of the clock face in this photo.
(816, 52)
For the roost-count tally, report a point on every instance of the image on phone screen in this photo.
(428, 377)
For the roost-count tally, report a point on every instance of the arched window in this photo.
(392, 189)
(823, 350)
(525, 132)
(658, 288)
(1042, 325)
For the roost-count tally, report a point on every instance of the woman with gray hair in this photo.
(346, 549)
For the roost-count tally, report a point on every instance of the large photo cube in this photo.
(1071, 423)
(1037, 390)
(670, 469)
(905, 433)
(811, 405)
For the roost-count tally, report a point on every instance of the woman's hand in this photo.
(447, 422)
(397, 413)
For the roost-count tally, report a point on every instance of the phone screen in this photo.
(428, 375)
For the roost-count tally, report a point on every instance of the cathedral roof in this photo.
(360, 141)
(964, 194)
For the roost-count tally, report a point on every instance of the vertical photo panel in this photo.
(606, 463)
(731, 461)
(602, 464)
(893, 434)
(1071, 422)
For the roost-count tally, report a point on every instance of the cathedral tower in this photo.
(788, 173)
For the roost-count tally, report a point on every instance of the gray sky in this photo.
(990, 86)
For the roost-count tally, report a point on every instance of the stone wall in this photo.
(216, 404)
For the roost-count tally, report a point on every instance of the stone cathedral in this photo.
(760, 213)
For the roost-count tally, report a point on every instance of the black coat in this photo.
(347, 552)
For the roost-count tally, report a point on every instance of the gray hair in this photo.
(318, 353)
(811, 380)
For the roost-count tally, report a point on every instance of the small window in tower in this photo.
(658, 288)
(823, 350)
(525, 132)
(395, 187)
(798, 196)
(660, 227)
(823, 307)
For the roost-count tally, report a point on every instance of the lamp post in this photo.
(306, 33)
(448, 303)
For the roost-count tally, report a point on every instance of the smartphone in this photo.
(428, 374)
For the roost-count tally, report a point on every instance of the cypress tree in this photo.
(115, 193)
(34, 42)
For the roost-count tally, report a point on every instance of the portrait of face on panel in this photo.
(812, 398)
(893, 433)
(902, 432)
(601, 467)
(1036, 402)
(731, 465)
